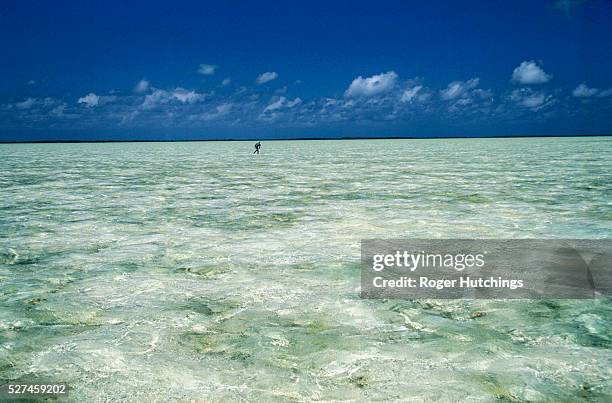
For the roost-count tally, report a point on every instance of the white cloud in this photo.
(424, 97)
(27, 104)
(224, 109)
(605, 93)
(486, 95)
(186, 96)
(528, 72)
(531, 99)
(281, 103)
(369, 86)
(459, 89)
(33, 103)
(90, 100)
(583, 91)
(410, 94)
(155, 98)
(161, 97)
(207, 69)
(460, 104)
(265, 77)
(142, 86)
(38, 108)
(226, 81)
(293, 103)
(219, 111)
(275, 105)
(58, 111)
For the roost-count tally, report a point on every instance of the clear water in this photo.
(149, 271)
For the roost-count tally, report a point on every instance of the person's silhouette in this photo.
(257, 147)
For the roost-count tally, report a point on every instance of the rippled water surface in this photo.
(148, 271)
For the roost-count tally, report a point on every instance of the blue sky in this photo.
(243, 69)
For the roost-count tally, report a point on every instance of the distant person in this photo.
(257, 147)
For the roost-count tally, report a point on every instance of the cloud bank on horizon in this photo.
(374, 99)
(219, 97)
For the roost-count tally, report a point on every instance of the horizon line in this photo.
(309, 138)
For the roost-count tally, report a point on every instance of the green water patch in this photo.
(245, 222)
(266, 338)
(33, 337)
(389, 196)
(27, 340)
(448, 326)
(497, 389)
(238, 342)
(28, 257)
(595, 336)
(593, 340)
(8, 256)
(452, 311)
(299, 198)
(502, 387)
(330, 272)
(317, 338)
(546, 310)
(204, 342)
(25, 180)
(600, 213)
(65, 316)
(208, 306)
(287, 217)
(31, 285)
(48, 256)
(457, 197)
(348, 195)
(573, 323)
(204, 271)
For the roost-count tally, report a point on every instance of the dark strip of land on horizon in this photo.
(309, 138)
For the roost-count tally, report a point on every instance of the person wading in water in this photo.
(257, 147)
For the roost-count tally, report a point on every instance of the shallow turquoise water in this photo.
(146, 271)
